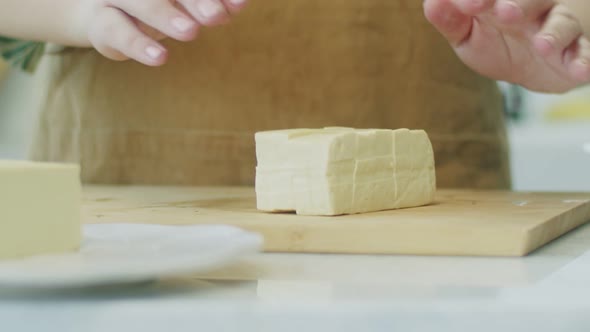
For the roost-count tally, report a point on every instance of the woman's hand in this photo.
(538, 44)
(132, 29)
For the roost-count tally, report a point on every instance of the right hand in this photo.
(538, 44)
(131, 29)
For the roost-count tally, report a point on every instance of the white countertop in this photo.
(547, 291)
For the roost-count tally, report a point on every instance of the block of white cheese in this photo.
(39, 208)
(336, 171)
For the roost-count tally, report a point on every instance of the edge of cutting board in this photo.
(295, 234)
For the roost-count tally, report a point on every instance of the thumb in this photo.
(582, 12)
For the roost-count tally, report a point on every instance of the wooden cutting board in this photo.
(475, 223)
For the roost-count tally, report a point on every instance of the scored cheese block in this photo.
(39, 208)
(337, 171)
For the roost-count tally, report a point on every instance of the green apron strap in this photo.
(23, 54)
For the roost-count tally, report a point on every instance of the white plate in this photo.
(126, 253)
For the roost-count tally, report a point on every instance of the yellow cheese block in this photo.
(39, 208)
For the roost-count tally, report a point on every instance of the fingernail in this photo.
(510, 10)
(237, 2)
(514, 5)
(182, 24)
(208, 8)
(477, 3)
(549, 39)
(153, 52)
(509, 3)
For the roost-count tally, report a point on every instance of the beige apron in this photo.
(3, 70)
(280, 64)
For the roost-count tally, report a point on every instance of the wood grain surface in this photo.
(461, 222)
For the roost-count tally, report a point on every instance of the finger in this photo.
(116, 36)
(161, 15)
(453, 24)
(206, 12)
(579, 68)
(560, 30)
(148, 30)
(234, 6)
(513, 11)
(474, 7)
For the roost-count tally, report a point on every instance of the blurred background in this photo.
(550, 139)
(16, 112)
(549, 134)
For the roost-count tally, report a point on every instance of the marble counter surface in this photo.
(547, 291)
